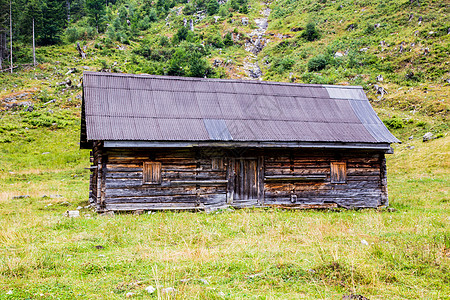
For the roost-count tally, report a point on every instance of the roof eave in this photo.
(248, 144)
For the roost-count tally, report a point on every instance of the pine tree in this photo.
(96, 11)
(53, 22)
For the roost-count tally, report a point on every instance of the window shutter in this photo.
(338, 172)
(217, 164)
(152, 172)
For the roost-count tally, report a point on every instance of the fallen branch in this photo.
(9, 69)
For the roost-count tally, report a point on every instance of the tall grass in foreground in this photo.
(243, 254)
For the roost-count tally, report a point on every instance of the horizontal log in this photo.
(305, 206)
(168, 191)
(198, 182)
(150, 206)
(311, 177)
(209, 199)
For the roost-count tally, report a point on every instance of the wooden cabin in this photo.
(192, 143)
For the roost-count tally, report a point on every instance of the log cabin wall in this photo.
(190, 179)
(200, 178)
(311, 184)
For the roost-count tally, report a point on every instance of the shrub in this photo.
(282, 65)
(311, 33)
(227, 40)
(215, 41)
(212, 7)
(394, 123)
(317, 63)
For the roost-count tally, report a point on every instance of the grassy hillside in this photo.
(257, 254)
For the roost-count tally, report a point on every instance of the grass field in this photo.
(397, 253)
(242, 254)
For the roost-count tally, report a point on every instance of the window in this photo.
(217, 164)
(151, 173)
(338, 172)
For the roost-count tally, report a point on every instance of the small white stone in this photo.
(129, 294)
(9, 292)
(168, 290)
(364, 242)
(150, 289)
(73, 213)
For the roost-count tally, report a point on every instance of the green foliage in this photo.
(96, 12)
(215, 40)
(80, 31)
(317, 63)
(282, 65)
(53, 22)
(311, 33)
(212, 7)
(394, 123)
(228, 40)
(188, 61)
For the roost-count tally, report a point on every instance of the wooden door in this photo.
(243, 182)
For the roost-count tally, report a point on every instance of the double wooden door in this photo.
(244, 182)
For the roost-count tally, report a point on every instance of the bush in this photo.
(394, 123)
(75, 33)
(228, 40)
(311, 33)
(215, 41)
(317, 63)
(282, 65)
(212, 7)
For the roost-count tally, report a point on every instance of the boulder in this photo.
(427, 136)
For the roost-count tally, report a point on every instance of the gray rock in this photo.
(354, 297)
(71, 70)
(51, 101)
(380, 78)
(21, 197)
(380, 90)
(72, 213)
(150, 289)
(244, 21)
(411, 137)
(427, 136)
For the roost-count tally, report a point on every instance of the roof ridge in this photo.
(165, 77)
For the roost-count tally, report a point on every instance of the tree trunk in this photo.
(68, 10)
(80, 51)
(34, 48)
(10, 33)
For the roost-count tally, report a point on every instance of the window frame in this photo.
(148, 167)
(338, 168)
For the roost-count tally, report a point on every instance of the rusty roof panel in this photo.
(161, 108)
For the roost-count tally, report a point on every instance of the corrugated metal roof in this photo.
(161, 108)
